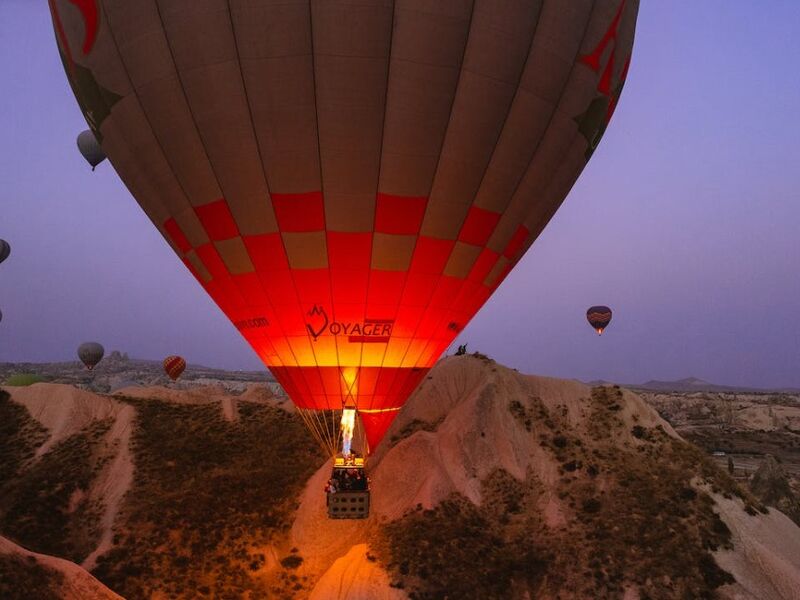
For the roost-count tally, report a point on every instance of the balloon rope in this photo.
(322, 423)
(311, 419)
(325, 426)
(310, 427)
(336, 417)
(323, 417)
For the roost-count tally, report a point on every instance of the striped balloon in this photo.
(349, 181)
(174, 366)
(599, 317)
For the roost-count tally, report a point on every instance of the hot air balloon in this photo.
(599, 317)
(5, 250)
(349, 182)
(90, 354)
(90, 148)
(174, 366)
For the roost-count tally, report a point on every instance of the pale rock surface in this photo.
(765, 559)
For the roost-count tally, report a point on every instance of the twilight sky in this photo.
(685, 221)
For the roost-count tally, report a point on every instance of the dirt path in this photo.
(230, 409)
(114, 480)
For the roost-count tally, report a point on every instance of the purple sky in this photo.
(685, 222)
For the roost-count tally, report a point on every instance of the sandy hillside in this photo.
(472, 418)
(201, 394)
(62, 409)
(551, 485)
(68, 580)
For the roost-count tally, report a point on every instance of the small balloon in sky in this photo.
(599, 317)
(90, 148)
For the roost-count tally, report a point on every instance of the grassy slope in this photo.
(649, 526)
(208, 497)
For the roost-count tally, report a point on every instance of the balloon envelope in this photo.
(90, 354)
(599, 317)
(174, 366)
(349, 183)
(5, 250)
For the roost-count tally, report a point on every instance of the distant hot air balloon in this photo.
(349, 183)
(90, 354)
(174, 366)
(5, 250)
(599, 317)
(90, 148)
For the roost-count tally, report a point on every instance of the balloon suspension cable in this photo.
(321, 424)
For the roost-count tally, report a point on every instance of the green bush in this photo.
(23, 379)
(292, 561)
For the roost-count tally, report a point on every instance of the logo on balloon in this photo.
(368, 331)
(251, 323)
(320, 317)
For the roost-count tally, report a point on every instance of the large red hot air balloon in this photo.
(349, 181)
